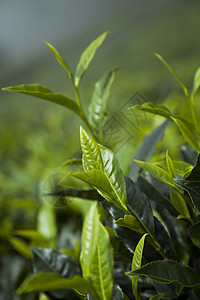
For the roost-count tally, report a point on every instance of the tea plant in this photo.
(141, 234)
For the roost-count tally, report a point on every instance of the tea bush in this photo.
(98, 234)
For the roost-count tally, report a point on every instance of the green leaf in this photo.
(115, 176)
(50, 281)
(157, 171)
(21, 247)
(195, 173)
(156, 193)
(90, 151)
(193, 188)
(174, 73)
(187, 133)
(196, 83)
(157, 297)
(72, 161)
(61, 61)
(170, 167)
(98, 105)
(102, 266)
(179, 203)
(36, 90)
(90, 235)
(87, 56)
(194, 232)
(147, 149)
(47, 261)
(152, 108)
(137, 200)
(136, 263)
(96, 255)
(130, 222)
(168, 271)
(46, 224)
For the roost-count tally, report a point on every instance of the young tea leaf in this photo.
(50, 281)
(196, 83)
(90, 151)
(90, 235)
(168, 271)
(98, 105)
(87, 56)
(36, 90)
(130, 222)
(102, 266)
(46, 223)
(59, 58)
(174, 73)
(136, 263)
(179, 203)
(115, 176)
(152, 108)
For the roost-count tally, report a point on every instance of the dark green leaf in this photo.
(168, 271)
(98, 105)
(137, 200)
(157, 297)
(36, 90)
(154, 190)
(147, 149)
(195, 173)
(194, 232)
(193, 188)
(87, 56)
(48, 260)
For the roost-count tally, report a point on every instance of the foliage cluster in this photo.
(139, 235)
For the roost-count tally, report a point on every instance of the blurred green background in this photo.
(36, 137)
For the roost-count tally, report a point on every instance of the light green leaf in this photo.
(152, 108)
(196, 83)
(90, 151)
(174, 73)
(130, 222)
(98, 105)
(158, 172)
(87, 56)
(170, 167)
(168, 271)
(180, 167)
(102, 266)
(72, 161)
(187, 133)
(46, 224)
(61, 61)
(136, 263)
(90, 235)
(36, 90)
(115, 176)
(179, 203)
(50, 281)
(21, 247)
